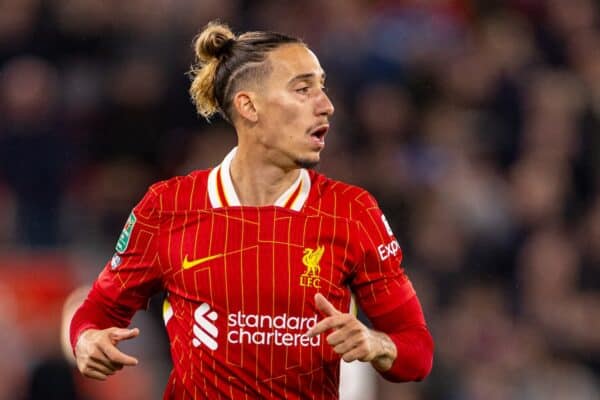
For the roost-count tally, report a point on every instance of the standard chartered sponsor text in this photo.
(279, 330)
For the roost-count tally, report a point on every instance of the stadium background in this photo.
(475, 124)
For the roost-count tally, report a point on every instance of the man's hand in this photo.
(97, 354)
(352, 339)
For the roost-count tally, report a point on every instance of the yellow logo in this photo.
(311, 259)
(185, 264)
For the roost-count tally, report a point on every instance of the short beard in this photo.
(308, 164)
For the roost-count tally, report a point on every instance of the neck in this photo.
(258, 181)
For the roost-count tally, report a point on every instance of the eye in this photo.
(303, 90)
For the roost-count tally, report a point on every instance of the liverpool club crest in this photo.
(311, 259)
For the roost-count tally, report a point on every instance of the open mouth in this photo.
(318, 134)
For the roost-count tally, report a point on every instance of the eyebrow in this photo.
(306, 76)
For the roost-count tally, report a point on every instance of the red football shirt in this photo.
(240, 281)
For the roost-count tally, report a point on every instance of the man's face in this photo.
(293, 109)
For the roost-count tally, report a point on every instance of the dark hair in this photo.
(224, 61)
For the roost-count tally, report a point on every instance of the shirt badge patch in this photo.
(115, 261)
(123, 241)
(311, 259)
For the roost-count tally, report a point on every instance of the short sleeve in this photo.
(132, 275)
(379, 281)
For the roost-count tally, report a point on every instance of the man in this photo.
(258, 256)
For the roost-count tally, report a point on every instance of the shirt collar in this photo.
(221, 191)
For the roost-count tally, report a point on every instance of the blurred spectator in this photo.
(100, 204)
(34, 154)
(52, 380)
(8, 218)
(549, 269)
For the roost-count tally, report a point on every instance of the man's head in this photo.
(269, 86)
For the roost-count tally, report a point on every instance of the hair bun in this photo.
(214, 41)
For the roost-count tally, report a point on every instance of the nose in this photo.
(324, 107)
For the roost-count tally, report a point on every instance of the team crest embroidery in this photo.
(311, 259)
(123, 241)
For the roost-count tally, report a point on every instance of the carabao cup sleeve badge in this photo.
(123, 241)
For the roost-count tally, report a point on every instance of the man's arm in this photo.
(94, 344)
(406, 328)
(400, 347)
(403, 353)
(97, 354)
(124, 286)
(96, 329)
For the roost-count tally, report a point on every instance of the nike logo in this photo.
(186, 264)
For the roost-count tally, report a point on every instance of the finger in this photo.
(123, 334)
(103, 359)
(326, 324)
(350, 329)
(117, 356)
(345, 346)
(325, 306)
(358, 353)
(94, 374)
(100, 367)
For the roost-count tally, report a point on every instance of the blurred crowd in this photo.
(476, 124)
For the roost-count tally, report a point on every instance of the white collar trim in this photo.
(294, 197)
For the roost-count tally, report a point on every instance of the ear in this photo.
(244, 105)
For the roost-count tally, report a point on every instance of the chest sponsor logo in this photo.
(390, 249)
(279, 330)
(311, 260)
(123, 241)
(204, 329)
(261, 329)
